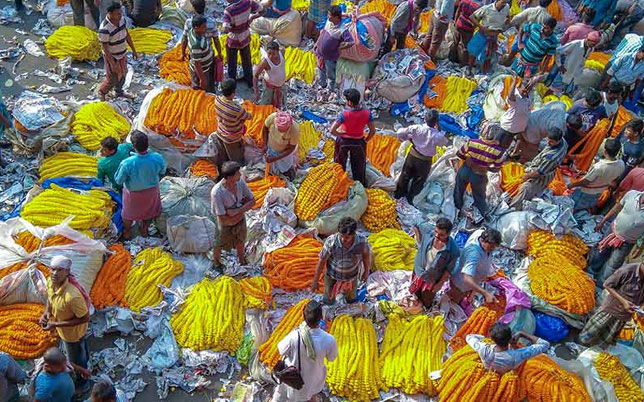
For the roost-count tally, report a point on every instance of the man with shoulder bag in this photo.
(301, 371)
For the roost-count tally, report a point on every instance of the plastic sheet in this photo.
(354, 206)
(399, 75)
(164, 352)
(515, 228)
(552, 329)
(191, 234)
(35, 111)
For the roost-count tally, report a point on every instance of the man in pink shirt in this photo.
(634, 180)
(580, 29)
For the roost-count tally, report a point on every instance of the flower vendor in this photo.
(441, 16)
(140, 175)
(272, 70)
(530, 15)
(53, 382)
(436, 257)
(538, 44)
(112, 154)
(405, 20)
(550, 116)
(230, 200)
(491, 20)
(333, 38)
(231, 117)
(281, 136)
(342, 256)
(202, 57)
(236, 22)
(514, 120)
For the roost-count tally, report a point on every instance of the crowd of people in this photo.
(544, 141)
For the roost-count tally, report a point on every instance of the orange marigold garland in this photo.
(479, 323)
(203, 167)
(292, 267)
(109, 287)
(20, 333)
(260, 188)
(382, 151)
(268, 353)
(172, 68)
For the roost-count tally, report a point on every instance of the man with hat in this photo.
(571, 58)
(281, 135)
(67, 312)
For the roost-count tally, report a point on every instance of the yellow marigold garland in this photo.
(300, 64)
(255, 45)
(355, 373)
(77, 42)
(392, 249)
(612, 370)
(324, 186)
(212, 316)
(151, 267)
(310, 138)
(20, 333)
(68, 164)
(257, 292)
(382, 151)
(150, 40)
(109, 287)
(98, 120)
(268, 352)
(381, 211)
(260, 187)
(458, 90)
(292, 267)
(544, 244)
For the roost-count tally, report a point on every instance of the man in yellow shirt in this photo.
(67, 312)
(281, 135)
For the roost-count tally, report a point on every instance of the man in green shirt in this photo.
(113, 154)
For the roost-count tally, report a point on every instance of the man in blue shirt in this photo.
(628, 71)
(112, 155)
(53, 383)
(10, 376)
(538, 44)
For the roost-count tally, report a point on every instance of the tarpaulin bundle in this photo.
(255, 125)
(550, 328)
(77, 42)
(150, 40)
(458, 90)
(450, 125)
(300, 64)
(172, 68)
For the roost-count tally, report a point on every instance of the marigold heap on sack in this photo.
(268, 352)
(324, 186)
(212, 316)
(150, 40)
(109, 286)
(172, 68)
(612, 370)
(20, 333)
(392, 249)
(543, 380)
(204, 168)
(257, 292)
(68, 164)
(260, 188)
(292, 267)
(96, 121)
(382, 151)
(77, 42)
(381, 211)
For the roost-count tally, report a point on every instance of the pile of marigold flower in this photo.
(95, 121)
(381, 211)
(20, 333)
(68, 164)
(545, 244)
(257, 292)
(479, 323)
(255, 126)
(151, 267)
(612, 370)
(203, 168)
(77, 42)
(324, 186)
(392, 249)
(543, 380)
(382, 151)
(292, 267)
(212, 316)
(109, 286)
(260, 188)
(268, 352)
(173, 68)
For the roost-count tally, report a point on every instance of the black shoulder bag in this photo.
(290, 375)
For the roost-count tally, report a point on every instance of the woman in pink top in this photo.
(350, 141)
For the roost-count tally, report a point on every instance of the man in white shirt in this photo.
(515, 119)
(306, 348)
(571, 58)
(552, 115)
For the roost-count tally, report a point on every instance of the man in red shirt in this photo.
(351, 141)
(634, 180)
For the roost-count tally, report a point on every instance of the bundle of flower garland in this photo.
(384, 7)
(479, 323)
(411, 350)
(181, 114)
(464, 378)
(381, 211)
(558, 282)
(77, 42)
(612, 370)
(300, 64)
(255, 126)
(544, 244)
(68, 164)
(150, 40)
(172, 68)
(512, 177)
(292, 267)
(92, 210)
(260, 187)
(151, 267)
(212, 316)
(109, 286)
(355, 374)
(458, 90)
(543, 380)
(392, 249)
(203, 168)
(597, 61)
(257, 292)
(268, 352)
(310, 138)
(20, 333)
(382, 151)
(324, 186)
(95, 121)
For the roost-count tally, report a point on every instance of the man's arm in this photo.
(334, 128)
(366, 261)
(258, 71)
(625, 303)
(613, 211)
(471, 283)
(512, 92)
(318, 270)
(372, 130)
(68, 323)
(129, 42)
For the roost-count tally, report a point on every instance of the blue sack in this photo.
(552, 329)
(399, 109)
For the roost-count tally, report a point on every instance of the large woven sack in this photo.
(327, 221)
(367, 33)
(184, 196)
(191, 234)
(287, 29)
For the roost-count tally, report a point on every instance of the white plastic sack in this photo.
(375, 179)
(354, 206)
(184, 196)
(191, 234)
(24, 286)
(515, 228)
(603, 390)
(58, 16)
(399, 89)
(287, 29)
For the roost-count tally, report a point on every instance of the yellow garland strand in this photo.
(68, 164)
(458, 90)
(268, 352)
(300, 64)
(150, 40)
(98, 120)
(257, 292)
(612, 370)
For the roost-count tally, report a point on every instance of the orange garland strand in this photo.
(259, 188)
(255, 125)
(292, 267)
(204, 168)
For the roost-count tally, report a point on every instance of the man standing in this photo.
(405, 20)
(272, 70)
(490, 21)
(514, 120)
(231, 117)
(602, 175)
(67, 312)
(464, 30)
(114, 39)
(436, 257)
(424, 140)
(316, 15)
(237, 18)
(479, 156)
(627, 228)
(53, 383)
(350, 138)
(540, 172)
(202, 57)
(537, 45)
(10, 376)
(530, 15)
(342, 256)
(625, 289)
(474, 266)
(579, 30)
(571, 58)
(443, 12)
(281, 135)
(333, 38)
(307, 347)
(628, 71)
(78, 9)
(112, 154)
(230, 199)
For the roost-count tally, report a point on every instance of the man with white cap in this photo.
(281, 135)
(67, 312)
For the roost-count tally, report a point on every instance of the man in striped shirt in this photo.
(230, 125)
(540, 172)
(479, 157)
(114, 39)
(237, 18)
(202, 57)
(537, 44)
